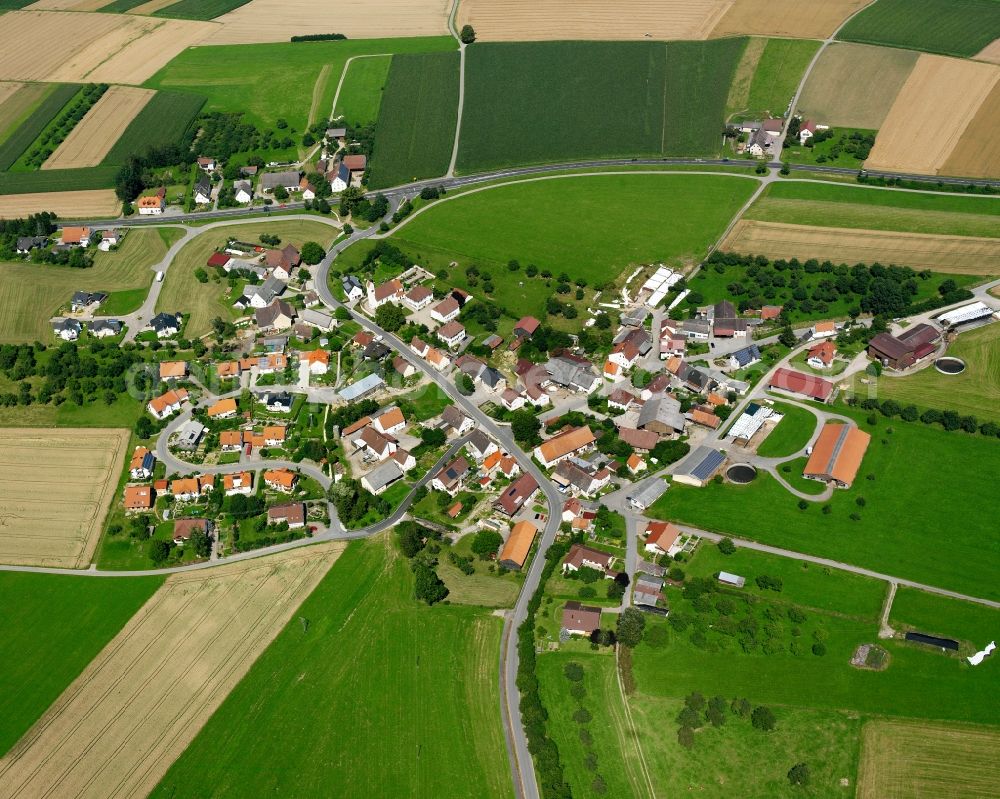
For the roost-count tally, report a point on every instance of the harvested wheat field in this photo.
(964, 255)
(977, 155)
(7, 90)
(75, 47)
(537, 20)
(990, 52)
(900, 760)
(136, 707)
(930, 114)
(96, 133)
(278, 20)
(854, 85)
(89, 204)
(69, 5)
(51, 515)
(791, 18)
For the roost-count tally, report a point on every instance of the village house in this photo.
(165, 325)
(569, 475)
(203, 190)
(184, 528)
(142, 464)
(243, 192)
(223, 409)
(75, 236)
(150, 206)
(274, 435)
(454, 418)
(512, 400)
(446, 310)
(662, 538)
(281, 480)
(580, 556)
(564, 444)
(418, 297)
(318, 361)
(230, 440)
(190, 488)
(353, 290)
(167, 404)
(821, 355)
(451, 477)
(276, 316)
(139, 498)
(480, 446)
(516, 495)
(823, 329)
(452, 334)
(580, 619)
(105, 328)
(67, 329)
(292, 514)
(389, 421)
(238, 483)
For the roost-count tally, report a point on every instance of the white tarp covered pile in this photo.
(980, 656)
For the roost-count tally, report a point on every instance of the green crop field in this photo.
(121, 6)
(615, 99)
(361, 95)
(22, 138)
(792, 433)
(951, 27)
(20, 105)
(563, 224)
(31, 293)
(182, 291)
(163, 120)
(379, 695)
(975, 391)
(199, 9)
(778, 74)
(806, 203)
(416, 124)
(267, 82)
(921, 476)
(41, 180)
(59, 626)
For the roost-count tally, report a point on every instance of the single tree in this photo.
(312, 252)
(799, 774)
(763, 718)
(467, 34)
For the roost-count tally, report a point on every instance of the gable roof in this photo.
(518, 544)
(563, 444)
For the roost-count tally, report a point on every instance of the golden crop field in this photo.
(115, 731)
(278, 20)
(931, 112)
(112, 48)
(976, 155)
(790, 18)
(87, 204)
(51, 515)
(534, 20)
(990, 53)
(96, 133)
(964, 255)
(854, 85)
(901, 760)
(69, 5)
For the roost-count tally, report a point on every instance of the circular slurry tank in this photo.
(741, 473)
(950, 365)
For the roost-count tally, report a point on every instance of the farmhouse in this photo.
(292, 514)
(580, 557)
(662, 538)
(570, 475)
(389, 421)
(456, 420)
(643, 440)
(515, 495)
(904, 350)
(580, 619)
(571, 372)
(518, 545)
(276, 316)
(560, 446)
(662, 416)
(837, 454)
(288, 180)
(821, 355)
(791, 382)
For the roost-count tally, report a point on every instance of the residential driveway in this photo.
(303, 383)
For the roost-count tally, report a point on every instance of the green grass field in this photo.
(182, 291)
(922, 476)
(792, 433)
(59, 626)
(618, 99)
(831, 152)
(267, 82)
(941, 615)
(31, 293)
(163, 120)
(199, 9)
(416, 124)
(361, 95)
(379, 696)
(975, 391)
(951, 27)
(777, 75)
(564, 224)
(19, 140)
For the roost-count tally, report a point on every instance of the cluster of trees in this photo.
(55, 133)
(353, 502)
(318, 37)
(948, 419)
(70, 372)
(42, 224)
(354, 203)
(874, 289)
(224, 134)
(699, 711)
(144, 169)
(421, 545)
(575, 673)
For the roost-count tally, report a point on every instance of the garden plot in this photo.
(931, 113)
(279, 20)
(539, 20)
(75, 47)
(133, 711)
(964, 255)
(89, 142)
(790, 18)
(51, 516)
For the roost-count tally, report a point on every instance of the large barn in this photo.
(837, 454)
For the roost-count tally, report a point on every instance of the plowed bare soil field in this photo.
(790, 18)
(900, 760)
(990, 52)
(977, 155)
(75, 47)
(963, 255)
(931, 113)
(539, 20)
(278, 20)
(51, 515)
(96, 133)
(88, 204)
(136, 707)
(855, 85)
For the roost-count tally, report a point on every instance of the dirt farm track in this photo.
(115, 731)
(48, 516)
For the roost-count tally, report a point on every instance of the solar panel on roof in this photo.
(712, 461)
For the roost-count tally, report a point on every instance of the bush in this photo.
(573, 671)
(763, 718)
(799, 774)
(726, 546)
